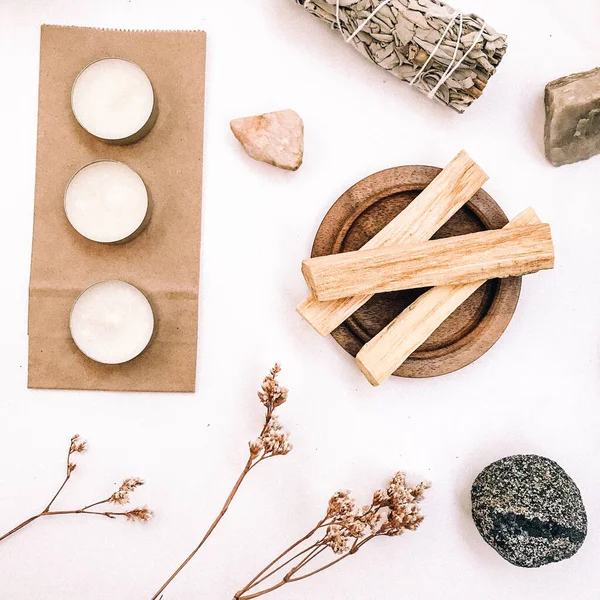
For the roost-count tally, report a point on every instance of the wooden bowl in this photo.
(473, 328)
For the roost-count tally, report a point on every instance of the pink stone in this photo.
(276, 138)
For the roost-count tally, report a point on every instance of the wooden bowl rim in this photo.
(373, 189)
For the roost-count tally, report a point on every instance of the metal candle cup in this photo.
(112, 322)
(107, 202)
(113, 100)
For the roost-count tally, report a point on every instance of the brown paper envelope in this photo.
(163, 262)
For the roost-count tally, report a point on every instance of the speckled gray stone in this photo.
(529, 510)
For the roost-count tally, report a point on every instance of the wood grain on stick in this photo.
(446, 194)
(461, 259)
(387, 351)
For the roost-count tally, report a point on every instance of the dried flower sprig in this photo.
(272, 441)
(120, 497)
(344, 530)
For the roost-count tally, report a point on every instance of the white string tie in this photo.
(452, 69)
(439, 45)
(362, 25)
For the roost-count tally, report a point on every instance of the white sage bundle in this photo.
(445, 54)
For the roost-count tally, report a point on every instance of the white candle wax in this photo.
(112, 322)
(107, 202)
(113, 100)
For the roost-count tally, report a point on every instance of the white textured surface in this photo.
(106, 201)
(112, 322)
(112, 98)
(536, 391)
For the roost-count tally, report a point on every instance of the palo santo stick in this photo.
(460, 259)
(387, 351)
(444, 196)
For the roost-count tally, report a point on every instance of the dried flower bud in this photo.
(77, 444)
(404, 513)
(275, 440)
(418, 492)
(356, 527)
(271, 393)
(71, 467)
(393, 511)
(141, 515)
(340, 504)
(372, 519)
(337, 539)
(256, 448)
(121, 496)
(380, 498)
(398, 521)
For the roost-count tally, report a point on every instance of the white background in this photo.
(535, 391)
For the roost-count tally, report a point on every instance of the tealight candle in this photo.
(112, 322)
(107, 202)
(113, 100)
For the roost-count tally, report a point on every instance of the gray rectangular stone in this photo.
(573, 118)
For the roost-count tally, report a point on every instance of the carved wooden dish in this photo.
(473, 328)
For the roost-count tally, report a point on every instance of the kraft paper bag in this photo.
(163, 261)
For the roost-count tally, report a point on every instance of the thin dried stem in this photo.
(221, 514)
(19, 527)
(285, 564)
(272, 441)
(259, 578)
(85, 508)
(303, 563)
(263, 592)
(74, 446)
(332, 563)
(60, 489)
(78, 446)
